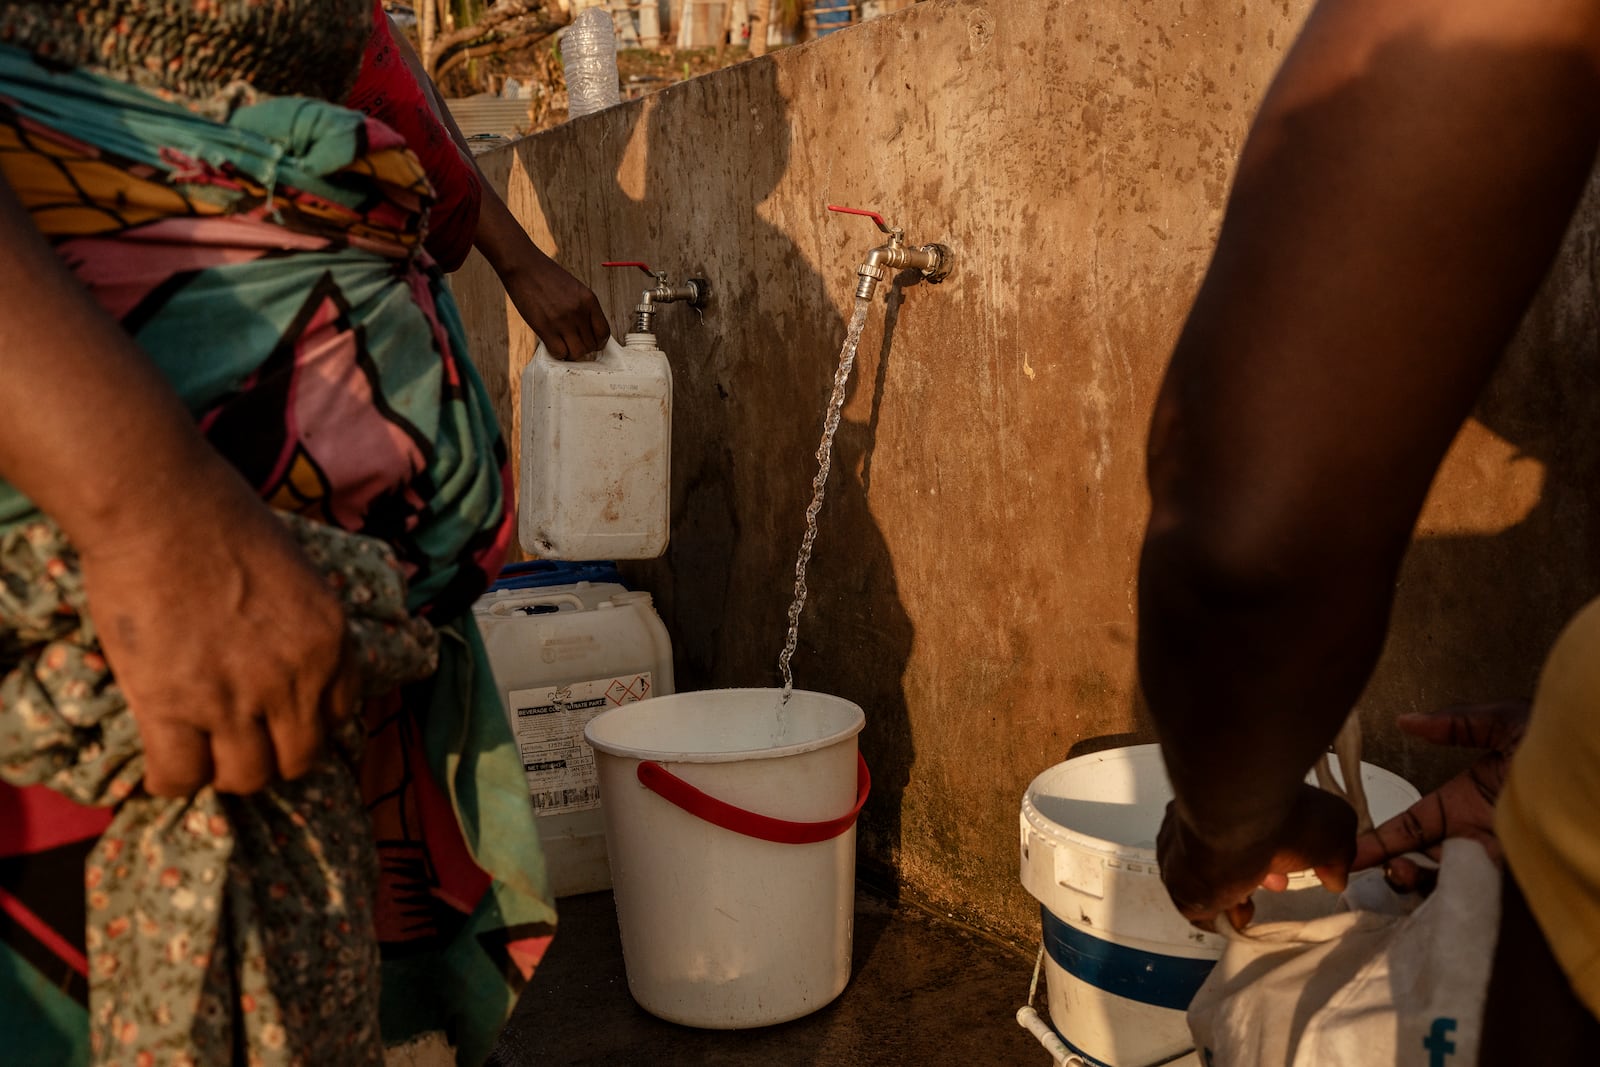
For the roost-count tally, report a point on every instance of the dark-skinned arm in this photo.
(226, 642)
(1400, 198)
(563, 311)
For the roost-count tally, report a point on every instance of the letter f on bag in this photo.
(1438, 1042)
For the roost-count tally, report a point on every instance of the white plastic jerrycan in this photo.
(597, 453)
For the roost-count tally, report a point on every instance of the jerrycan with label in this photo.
(565, 642)
(597, 443)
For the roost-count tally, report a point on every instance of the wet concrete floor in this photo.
(922, 991)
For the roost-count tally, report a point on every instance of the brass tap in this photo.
(696, 292)
(933, 261)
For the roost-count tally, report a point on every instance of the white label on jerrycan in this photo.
(549, 725)
(597, 454)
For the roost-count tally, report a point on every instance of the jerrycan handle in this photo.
(599, 355)
(523, 604)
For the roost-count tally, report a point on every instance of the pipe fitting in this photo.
(696, 292)
(934, 262)
(869, 275)
(944, 262)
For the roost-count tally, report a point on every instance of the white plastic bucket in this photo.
(730, 826)
(1122, 964)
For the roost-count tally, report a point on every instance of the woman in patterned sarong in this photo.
(252, 487)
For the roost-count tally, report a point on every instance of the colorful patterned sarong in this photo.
(272, 268)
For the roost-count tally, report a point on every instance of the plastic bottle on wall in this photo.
(589, 60)
(597, 453)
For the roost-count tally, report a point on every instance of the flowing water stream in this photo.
(819, 487)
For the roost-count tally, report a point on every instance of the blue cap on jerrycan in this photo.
(540, 573)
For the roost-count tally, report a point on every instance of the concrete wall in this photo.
(972, 586)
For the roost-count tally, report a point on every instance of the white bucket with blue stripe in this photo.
(1121, 963)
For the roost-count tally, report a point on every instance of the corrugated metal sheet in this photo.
(490, 114)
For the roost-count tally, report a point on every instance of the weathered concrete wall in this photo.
(972, 586)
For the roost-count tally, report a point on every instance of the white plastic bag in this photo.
(1385, 980)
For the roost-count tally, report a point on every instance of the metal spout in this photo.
(696, 292)
(934, 261)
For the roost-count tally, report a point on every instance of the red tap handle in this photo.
(873, 215)
(630, 263)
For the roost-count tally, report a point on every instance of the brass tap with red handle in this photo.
(933, 261)
(696, 292)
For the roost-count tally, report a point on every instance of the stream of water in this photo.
(819, 488)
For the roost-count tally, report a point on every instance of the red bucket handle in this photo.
(656, 778)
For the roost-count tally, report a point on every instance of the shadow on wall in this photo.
(859, 635)
(1480, 604)
(751, 383)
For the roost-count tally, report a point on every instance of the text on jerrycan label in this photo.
(548, 722)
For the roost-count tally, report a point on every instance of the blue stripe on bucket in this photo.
(1147, 977)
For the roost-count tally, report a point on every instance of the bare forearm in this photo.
(1403, 192)
(1247, 683)
(91, 433)
(560, 309)
(503, 241)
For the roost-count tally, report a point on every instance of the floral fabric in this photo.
(216, 922)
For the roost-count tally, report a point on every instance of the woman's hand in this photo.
(228, 645)
(224, 639)
(558, 307)
(1205, 880)
(1463, 806)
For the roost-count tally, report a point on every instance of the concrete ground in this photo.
(923, 991)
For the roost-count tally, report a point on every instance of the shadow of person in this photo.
(1481, 598)
(751, 380)
(859, 635)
